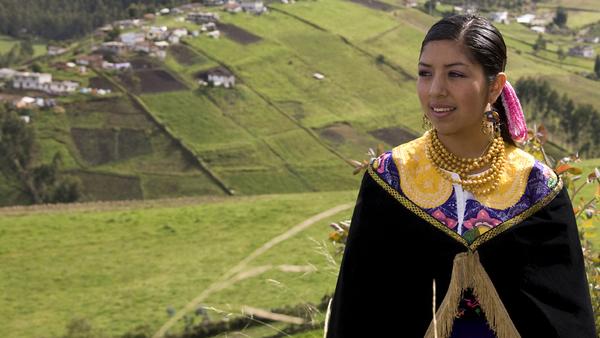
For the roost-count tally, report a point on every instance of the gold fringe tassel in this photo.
(327, 314)
(467, 272)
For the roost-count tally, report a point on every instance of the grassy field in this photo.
(585, 195)
(123, 267)
(7, 42)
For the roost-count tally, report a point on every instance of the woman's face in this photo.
(448, 79)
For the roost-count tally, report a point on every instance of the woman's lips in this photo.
(440, 114)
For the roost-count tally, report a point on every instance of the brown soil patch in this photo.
(238, 34)
(143, 63)
(99, 146)
(394, 135)
(185, 56)
(156, 81)
(338, 133)
(109, 187)
(101, 83)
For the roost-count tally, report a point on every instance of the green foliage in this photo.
(113, 34)
(597, 66)
(562, 55)
(60, 19)
(574, 125)
(540, 44)
(560, 19)
(42, 182)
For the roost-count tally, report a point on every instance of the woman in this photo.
(462, 208)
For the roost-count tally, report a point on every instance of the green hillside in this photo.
(121, 265)
(279, 129)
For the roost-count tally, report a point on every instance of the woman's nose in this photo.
(438, 87)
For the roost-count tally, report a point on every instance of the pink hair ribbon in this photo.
(514, 113)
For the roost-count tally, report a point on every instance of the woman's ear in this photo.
(496, 87)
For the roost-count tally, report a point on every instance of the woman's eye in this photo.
(423, 73)
(453, 74)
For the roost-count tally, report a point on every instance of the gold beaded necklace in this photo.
(482, 184)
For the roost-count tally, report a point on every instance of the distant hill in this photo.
(279, 129)
(60, 20)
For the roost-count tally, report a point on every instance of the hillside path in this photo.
(239, 272)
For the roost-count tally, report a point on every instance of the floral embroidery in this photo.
(469, 306)
(448, 221)
(483, 218)
(472, 234)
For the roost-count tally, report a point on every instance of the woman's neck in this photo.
(470, 147)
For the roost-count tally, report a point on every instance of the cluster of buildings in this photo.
(153, 40)
(538, 24)
(43, 82)
(235, 6)
(37, 81)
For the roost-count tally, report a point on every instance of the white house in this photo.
(255, 7)
(57, 87)
(28, 80)
(232, 7)
(202, 17)
(208, 27)
(213, 2)
(43, 82)
(526, 18)
(129, 23)
(500, 17)
(162, 44)
(410, 3)
(7, 73)
(214, 34)
(218, 77)
(157, 33)
(180, 32)
(145, 47)
(538, 29)
(585, 51)
(318, 76)
(131, 38)
(116, 47)
(93, 60)
(116, 66)
(55, 50)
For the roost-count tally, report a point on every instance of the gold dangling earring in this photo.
(426, 124)
(490, 125)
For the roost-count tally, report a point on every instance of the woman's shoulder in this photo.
(536, 172)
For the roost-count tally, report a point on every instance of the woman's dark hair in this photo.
(485, 46)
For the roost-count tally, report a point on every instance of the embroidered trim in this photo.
(408, 204)
(483, 238)
(424, 186)
(486, 236)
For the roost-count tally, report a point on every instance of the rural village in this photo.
(140, 37)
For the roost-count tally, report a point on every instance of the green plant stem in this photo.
(585, 207)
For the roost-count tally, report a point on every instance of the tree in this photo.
(113, 34)
(26, 49)
(561, 54)
(36, 68)
(539, 44)
(597, 67)
(560, 19)
(43, 183)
